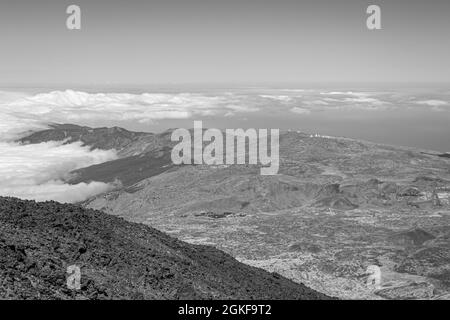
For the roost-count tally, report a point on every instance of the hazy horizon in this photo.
(412, 117)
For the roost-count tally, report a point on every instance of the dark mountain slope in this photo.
(98, 138)
(128, 170)
(118, 259)
(125, 142)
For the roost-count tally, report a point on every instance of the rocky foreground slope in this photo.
(118, 259)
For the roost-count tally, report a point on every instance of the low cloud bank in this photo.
(57, 190)
(37, 171)
(76, 106)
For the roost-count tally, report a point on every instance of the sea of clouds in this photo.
(37, 171)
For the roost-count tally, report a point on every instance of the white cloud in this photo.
(241, 108)
(57, 190)
(316, 103)
(300, 110)
(296, 90)
(350, 100)
(433, 103)
(81, 107)
(348, 93)
(339, 93)
(36, 171)
(282, 98)
(366, 103)
(63, 106)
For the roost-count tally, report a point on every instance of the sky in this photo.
(139, 43)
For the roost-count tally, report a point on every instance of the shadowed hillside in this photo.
(97, 138)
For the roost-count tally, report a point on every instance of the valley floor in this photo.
(330, 251)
